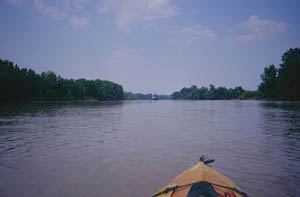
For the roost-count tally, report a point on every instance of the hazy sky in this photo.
(155, 46)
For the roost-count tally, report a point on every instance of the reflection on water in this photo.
(133, 148)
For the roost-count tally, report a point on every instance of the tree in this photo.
(176, 95)
(194, 93)
(289, 75)
(248, 94)
(17, 84)
(269, 85)
(282, 83)
(128, 96)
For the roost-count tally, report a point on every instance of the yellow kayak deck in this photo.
(196, 173)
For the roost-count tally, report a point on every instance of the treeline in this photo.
(282, 82)
(19, 84)
(213, 93)
(139, 96)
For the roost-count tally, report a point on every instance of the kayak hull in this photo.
(196, 173)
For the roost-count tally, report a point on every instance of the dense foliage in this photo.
(282, 83)
(18, 84)
(213, 93)
(140, 96)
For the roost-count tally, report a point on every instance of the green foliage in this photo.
(282, 83)
(129, 96)
(289, 83)
(248, 94)
(212, 93)
(21, 84)
(139, 96)
(269, 85)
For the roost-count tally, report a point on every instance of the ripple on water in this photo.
(134, 148)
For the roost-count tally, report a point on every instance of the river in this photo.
(132, 148)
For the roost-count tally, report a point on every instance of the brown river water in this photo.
(132, 148)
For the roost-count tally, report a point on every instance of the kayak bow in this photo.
(200, 180)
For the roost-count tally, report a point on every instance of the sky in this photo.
(150, 46)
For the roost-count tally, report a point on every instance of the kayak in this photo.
(200, 180)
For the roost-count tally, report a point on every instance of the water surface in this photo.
(132, 148)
